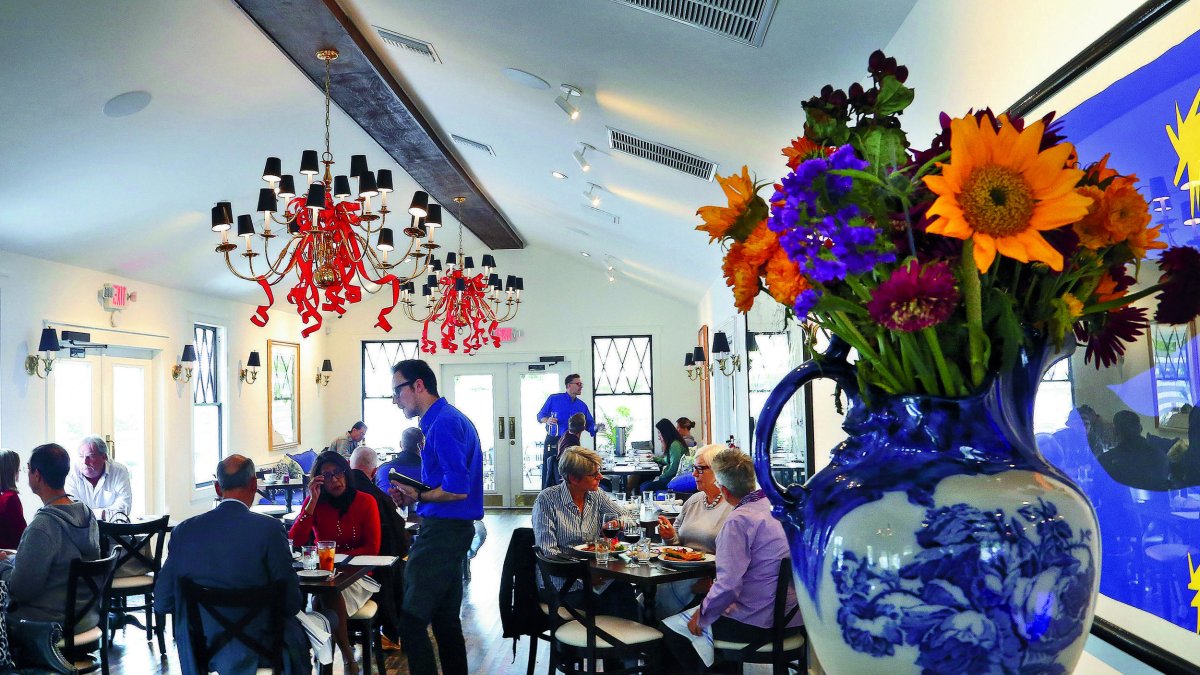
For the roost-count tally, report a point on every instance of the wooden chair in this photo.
(87, 591)
(140, 545)
(783, 648)
(589, 636)
(254, 601)
(363, 629)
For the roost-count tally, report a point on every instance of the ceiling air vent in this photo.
(744, 21)
(412, 44)
(601, 213)
(482, 147)
(674, 158)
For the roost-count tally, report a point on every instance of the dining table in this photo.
(268, 490)
(620, 473)
(645, 576)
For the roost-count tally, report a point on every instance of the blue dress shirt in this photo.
(562, 404)
(453, 460)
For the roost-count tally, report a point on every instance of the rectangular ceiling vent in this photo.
(674, 158)
(601, 213)
(744, 21)
(411, 44)
(482, 147)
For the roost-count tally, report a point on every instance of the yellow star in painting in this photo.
(1187, 147)
(1194, 585)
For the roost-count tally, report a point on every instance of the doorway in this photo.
(503, 399)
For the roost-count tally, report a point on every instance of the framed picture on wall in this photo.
(1173, 362)
(283, 395)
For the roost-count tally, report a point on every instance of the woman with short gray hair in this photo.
(735, 472)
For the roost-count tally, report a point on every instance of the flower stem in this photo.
(972, 296)
(939, 358)
(851, 334)
(1122, 301)
(911, 353)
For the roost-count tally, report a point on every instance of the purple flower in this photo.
(914, 297)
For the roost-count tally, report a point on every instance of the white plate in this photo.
(314, 574)
(708, 560)
(621, 548)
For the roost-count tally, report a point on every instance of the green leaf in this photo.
(884, 147)
(893, 96)
(859, 175)
(1008, 329)
(832, 303)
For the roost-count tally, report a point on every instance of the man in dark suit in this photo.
(364, 463)
(232, 547)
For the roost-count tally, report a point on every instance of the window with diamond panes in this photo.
(384, 421)
(208, 413)
(623, 389)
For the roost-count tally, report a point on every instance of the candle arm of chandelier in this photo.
(273, 267)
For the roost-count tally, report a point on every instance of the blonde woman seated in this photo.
(696, 527)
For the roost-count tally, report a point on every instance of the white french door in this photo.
(111, 397)
(502, 399)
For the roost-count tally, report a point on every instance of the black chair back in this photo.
(558, 577)
(142, 542)
(87, 590)
(780, 617)
(254, 602)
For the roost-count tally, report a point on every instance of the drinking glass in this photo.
(643, 551)
(601, 545)
(308, 557)
(326, 550)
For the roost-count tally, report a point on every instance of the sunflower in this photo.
(803, 149)
(731, 221)
(742, 276)
(784, 281)
(1001, 192)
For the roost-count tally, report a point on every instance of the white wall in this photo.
(34, 291)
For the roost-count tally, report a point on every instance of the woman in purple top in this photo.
(750, 545)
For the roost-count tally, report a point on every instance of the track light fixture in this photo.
(592, 196)
(564, 101)
(581, 158)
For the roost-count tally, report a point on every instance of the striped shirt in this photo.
(558, 524)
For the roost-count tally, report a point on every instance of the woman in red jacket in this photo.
(12, 515)
(335, 511)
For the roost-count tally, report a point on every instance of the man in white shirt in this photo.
(100, 482)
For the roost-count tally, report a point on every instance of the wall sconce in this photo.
(182, 371)
(250, 373)
(695, 364)
(751, 343)
(42, 365)
(323, 376)
(723, 360)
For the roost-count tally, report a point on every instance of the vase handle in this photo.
(831, 364)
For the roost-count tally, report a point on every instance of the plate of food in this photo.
(590, 549)
(314, 574)
(682, 556)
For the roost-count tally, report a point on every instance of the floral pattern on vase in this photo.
(954, 602)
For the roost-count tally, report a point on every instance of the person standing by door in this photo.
(452, 466)
(555, 412)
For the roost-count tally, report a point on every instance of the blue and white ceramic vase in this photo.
(938, 539)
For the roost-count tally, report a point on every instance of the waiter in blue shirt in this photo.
(555, 412)
(452, 465)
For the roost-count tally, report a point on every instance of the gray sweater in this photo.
(37, 580)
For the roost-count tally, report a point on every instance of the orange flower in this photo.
(760, 245)
(719, 221)
(1117, 214)
(1106, 289)
(742, 277)
(784, 281)
(1093, 228)
(802, 149)
(1098, 172)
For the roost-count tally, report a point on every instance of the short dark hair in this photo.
(52, 462)
(411, 437)
(416, 369)
(358, 425)
(236, 479)
(572, 376)
(685, 423)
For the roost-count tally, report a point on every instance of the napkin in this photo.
(702, 643)
(376, 560)
(316, 626)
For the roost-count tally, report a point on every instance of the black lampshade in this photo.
(383, 180)
(254, 361)
(316, 196)
(189, 354)
(434, 219)
(267, 201)
(494, 282)
(698, 355)
(419, 206)
(510, 283)
(720, 343)
(293, 227)
(489, 261)
(469, 263)
(688, 360)
(436, 265)
(366, 185)
(520, 283)
(358, 165)
(222, 216)
(431, 280)
(460, 284)
(341, 187)
(451, 259)
(49, 341)
(326, 366)
(751, 343)
(425, 291)
(308, 163)
(246, 224)
(273, 169)
(385, 239)
(287, 187)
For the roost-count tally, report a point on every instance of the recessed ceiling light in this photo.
(129, 103)
(585, 254)
(559, 175)
(526, 79)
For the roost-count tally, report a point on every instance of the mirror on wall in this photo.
(283, 405)
(774, 346)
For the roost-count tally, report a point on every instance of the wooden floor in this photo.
(487, 651)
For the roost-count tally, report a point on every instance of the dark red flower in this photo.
(1106, 334)
(1179, 300)
(914, 297)
(1064, 240)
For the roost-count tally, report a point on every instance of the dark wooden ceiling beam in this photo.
(362, 86)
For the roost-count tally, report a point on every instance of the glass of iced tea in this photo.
(325, 554)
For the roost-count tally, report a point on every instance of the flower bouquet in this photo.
(957, 273)
(936, 266)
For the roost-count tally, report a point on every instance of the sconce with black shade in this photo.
(723, 359)
(323, 376)
(182, 371)
(250, 373)
(695, 364)
(47, 345)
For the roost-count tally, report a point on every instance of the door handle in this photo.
(512, 428)
(500, 422)
(112, 447)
